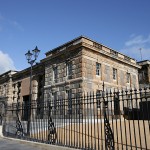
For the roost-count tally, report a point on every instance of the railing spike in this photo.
(110, 92)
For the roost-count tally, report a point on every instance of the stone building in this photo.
(15, 87)
(144, 73)
(82, 65)
(5, 90)
(6, 85)
(144, 82)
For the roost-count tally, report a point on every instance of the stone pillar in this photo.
(34, 97)
(9, 89)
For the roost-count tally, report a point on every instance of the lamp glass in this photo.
(28, 55)
(36, 52)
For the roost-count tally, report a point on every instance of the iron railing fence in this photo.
(118, 119)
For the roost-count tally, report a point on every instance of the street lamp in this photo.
(31, 61)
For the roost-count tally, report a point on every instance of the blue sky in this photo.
(123, 25)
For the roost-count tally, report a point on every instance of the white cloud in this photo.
(9, 23)
(137, 40)
(6, 63)
(134, 44)
(17, 25)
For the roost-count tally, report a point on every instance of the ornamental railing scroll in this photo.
(109, 137)
(52, 135)
(19, 128)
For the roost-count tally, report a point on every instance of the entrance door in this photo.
(25, 114)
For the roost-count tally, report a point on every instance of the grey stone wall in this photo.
(94, 82)
(64, 83)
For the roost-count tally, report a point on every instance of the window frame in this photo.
(98, 69)
(55, 73)
(114, 74)
(128, 77)
(69, 69)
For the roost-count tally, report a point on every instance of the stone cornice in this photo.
(112, 54)
(63, 83)
(92, 45)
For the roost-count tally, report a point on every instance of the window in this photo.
(116, 104)
(55, 74)
(143, 75)
(55, 103)
(128, 77)
(114, 73)
(98, 69)
(98, 96)
(69, 93)
(69, 70)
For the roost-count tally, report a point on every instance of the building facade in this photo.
(15, 87)
(82, 65)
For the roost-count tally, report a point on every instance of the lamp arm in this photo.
(31, 62)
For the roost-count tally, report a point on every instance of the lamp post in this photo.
(31, 61)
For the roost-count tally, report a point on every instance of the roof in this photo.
(5, 73)
(78, 38)
(64, 44)
(144, 62)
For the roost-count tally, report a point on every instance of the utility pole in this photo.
(141, 53)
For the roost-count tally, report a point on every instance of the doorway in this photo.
(25, 115)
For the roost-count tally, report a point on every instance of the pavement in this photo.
(17, 144)
(7, 144)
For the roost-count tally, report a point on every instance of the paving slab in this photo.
(16, 144)
(6, 144)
